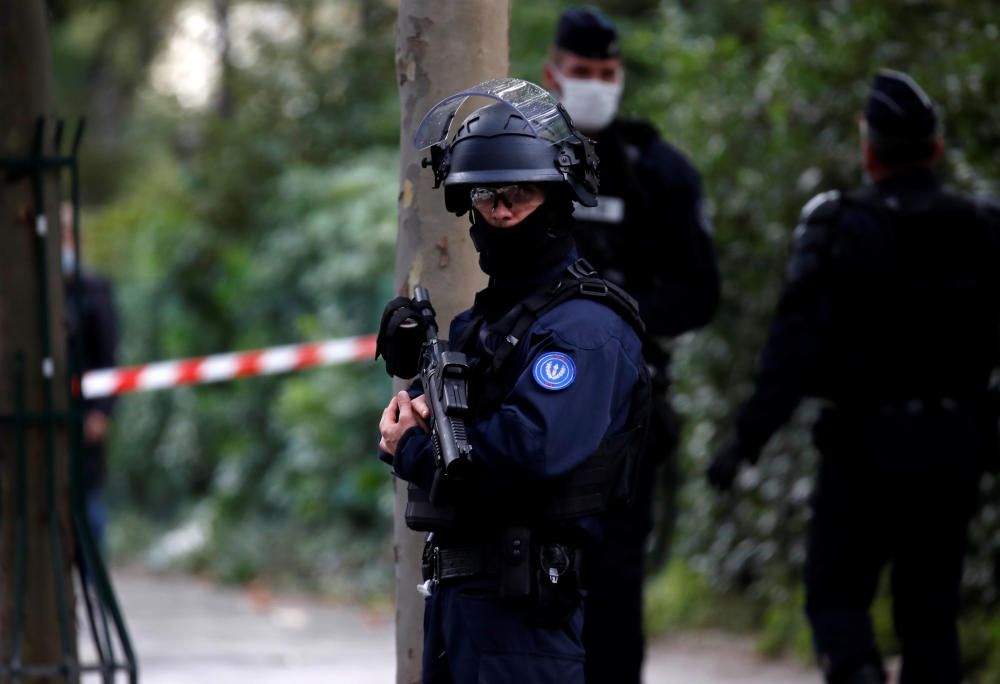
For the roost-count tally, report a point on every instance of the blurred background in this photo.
(240, 180)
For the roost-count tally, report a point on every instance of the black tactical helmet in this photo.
(525, 137)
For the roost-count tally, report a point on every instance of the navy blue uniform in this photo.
(551, 419)
(891, 312)
(649, 235)
(93, 330)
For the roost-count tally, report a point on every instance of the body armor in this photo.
(605, 479)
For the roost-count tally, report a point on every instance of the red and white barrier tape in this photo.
(219, 367)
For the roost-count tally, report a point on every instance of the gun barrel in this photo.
(422, 296)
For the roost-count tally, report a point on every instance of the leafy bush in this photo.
(279, 453)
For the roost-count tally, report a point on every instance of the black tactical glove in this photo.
(725, 465)
(400, 337)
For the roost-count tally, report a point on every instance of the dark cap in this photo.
(898, 108)
(586, 32)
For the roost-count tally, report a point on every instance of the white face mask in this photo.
(592, 104)
(68, 261)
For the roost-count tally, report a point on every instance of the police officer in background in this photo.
(890, 313)
(648, 234)
(92, 324)
(559, 397)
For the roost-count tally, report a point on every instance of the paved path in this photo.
(187, 631)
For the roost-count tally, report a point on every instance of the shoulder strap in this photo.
(465, 342)
(579, 280)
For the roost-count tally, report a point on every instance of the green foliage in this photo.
(980, 639)
(267, 217)
(273, 451)
(681, 598)
(785, 629)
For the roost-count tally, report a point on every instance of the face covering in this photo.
(68, 261)
(540, 240)
(592, 104)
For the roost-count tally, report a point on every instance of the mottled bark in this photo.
(441, 47)
(25, 93)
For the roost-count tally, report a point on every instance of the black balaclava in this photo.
(534, 245)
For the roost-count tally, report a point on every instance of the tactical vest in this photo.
(606, 478)
(912, 297)
(606, 234)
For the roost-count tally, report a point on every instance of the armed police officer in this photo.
(648, 234)
(92, 325)
(890, 313)
(558, 397)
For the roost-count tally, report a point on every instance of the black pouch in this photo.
(558, 590)
(515, 562)
(423, 516)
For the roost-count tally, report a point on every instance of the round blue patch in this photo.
(554, 371)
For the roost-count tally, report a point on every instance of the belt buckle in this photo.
(591, 289)
(430, 562)
(431, 570)
(435, 564)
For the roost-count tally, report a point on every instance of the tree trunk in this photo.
(25, 93)
(441, 48)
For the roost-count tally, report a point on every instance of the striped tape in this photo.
(220, 367)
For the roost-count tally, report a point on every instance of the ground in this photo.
(187, 630)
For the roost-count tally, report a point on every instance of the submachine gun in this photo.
(445, 378)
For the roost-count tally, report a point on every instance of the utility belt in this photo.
(439, 564)
(912, 426)
(546, 575)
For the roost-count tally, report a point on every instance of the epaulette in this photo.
(821, 208)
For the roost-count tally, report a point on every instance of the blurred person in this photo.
(93, 333)
(889, 313)
(648, 234)
(558, 395)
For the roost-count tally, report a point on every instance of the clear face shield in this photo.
(547, 119)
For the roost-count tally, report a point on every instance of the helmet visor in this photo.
(533, 102)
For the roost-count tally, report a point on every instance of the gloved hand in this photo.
(400, 336)
(725, 465)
